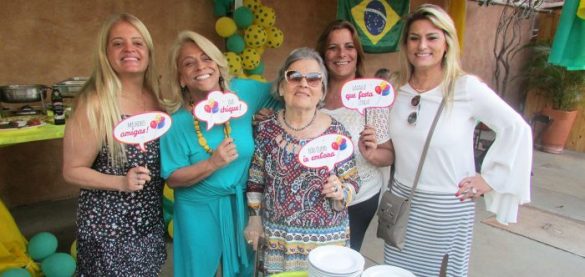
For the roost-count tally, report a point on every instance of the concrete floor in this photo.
(557, 187)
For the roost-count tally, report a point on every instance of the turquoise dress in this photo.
(210, 216)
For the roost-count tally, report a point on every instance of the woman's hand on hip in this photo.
(135, 179)
(254, 232)
(472, 188)
(332, 188)
(225, 153)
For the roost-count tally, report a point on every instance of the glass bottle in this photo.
(58, 108)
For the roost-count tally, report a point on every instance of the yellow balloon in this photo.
(234, 62)
(168, 192)
(259, 50)
(250, 59)
(170, 229)
(274, 37)
(264, 16)
(255, 36)
(225, 26)
(257, 77)
(73, 250)
(252, 4)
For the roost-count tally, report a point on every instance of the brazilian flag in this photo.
(378, 22)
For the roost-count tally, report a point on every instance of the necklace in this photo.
(301, 128)
(415, 88)
(227, 130)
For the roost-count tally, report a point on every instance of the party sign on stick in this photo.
(361, 94)
(326, 151)
(142, 128)
(219, 107)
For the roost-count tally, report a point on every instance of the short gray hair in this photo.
(298, 54)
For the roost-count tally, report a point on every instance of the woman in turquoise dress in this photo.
(208, 168)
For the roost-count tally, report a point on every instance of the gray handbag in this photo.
(394, 210)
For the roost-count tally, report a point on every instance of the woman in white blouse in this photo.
(442, 214)
(340, 48)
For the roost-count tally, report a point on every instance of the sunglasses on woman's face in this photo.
(294, 77)
(413, 116)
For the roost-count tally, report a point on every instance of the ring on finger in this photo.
(473, 191)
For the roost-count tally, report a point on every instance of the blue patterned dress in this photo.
(296, 216)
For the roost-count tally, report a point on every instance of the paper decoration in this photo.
(219, 107)
(326, 151)
(361, 94)
(142, 128)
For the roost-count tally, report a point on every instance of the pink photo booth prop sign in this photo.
(361, 94)
(219, 107)
(326, 151)
(142, 128)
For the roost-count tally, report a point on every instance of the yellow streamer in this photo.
(457, 10)
(13, 251)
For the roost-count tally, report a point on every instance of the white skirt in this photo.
(439, 224)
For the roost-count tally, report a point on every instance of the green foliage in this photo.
(563, 87)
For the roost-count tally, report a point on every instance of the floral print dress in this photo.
(120, 233)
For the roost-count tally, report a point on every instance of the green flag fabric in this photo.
(378, 22)
(568, 48)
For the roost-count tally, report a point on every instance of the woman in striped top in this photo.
(442, 214)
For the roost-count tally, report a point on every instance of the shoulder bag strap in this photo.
(425, 149)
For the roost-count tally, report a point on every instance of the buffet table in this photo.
(29, 134)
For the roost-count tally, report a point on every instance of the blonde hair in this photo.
(451, 60)
(178, 96)
(100, 93)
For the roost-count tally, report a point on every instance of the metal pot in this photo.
(71, 86)
(23, 93)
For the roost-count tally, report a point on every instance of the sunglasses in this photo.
(412, 117)
(294, 77)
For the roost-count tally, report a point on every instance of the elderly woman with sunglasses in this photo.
(442, 214)
(343, 56)
(296, 208)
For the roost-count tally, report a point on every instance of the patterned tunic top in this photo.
(296, 216)
(120, 233)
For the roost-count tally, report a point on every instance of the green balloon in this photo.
(219, 9)
(42, 245)
(15, 272)
(236, 44)
(58, 265)
(167, 216)
(258, 70)
(167, 205)
(243, 17)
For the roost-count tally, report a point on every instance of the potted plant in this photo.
(562, 87)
